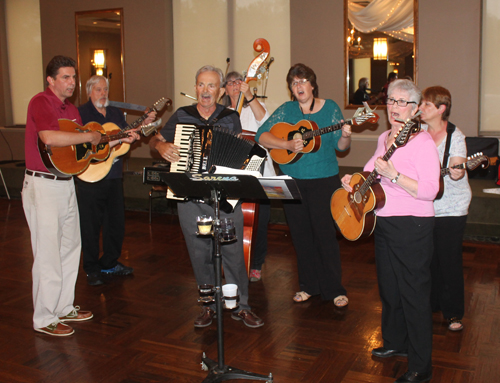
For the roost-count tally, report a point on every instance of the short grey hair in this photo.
(407, 86)
(210, 68)
(234, 75)
(94, 80)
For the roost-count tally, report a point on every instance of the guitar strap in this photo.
(450, 128)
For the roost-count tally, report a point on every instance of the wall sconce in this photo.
(380, 48)
(99, 62)
(351, 39)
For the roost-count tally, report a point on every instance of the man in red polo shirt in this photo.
(50, 205)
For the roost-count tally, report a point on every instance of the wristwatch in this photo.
(395, 179)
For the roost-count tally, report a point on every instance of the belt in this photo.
(48, 176)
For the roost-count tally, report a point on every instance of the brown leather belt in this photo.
(48, 176)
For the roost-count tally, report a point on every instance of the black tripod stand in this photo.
(229, 186)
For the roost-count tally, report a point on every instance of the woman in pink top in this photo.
(403, 236)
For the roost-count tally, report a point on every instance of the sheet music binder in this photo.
(195, 185)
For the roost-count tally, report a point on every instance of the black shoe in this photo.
(95, 279)
(119, 269)
(382, 352)
(413, 377)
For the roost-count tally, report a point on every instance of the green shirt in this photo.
(323, 163)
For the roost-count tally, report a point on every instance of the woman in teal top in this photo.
(316, 174)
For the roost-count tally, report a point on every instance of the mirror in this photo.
(376, 45)
(99, 39)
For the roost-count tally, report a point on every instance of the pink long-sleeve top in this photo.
(419, 160)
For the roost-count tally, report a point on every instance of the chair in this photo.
(161, 192)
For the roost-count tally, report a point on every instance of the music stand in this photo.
(216, 186)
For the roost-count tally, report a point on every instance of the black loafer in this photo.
(382, 352)
(414, 377)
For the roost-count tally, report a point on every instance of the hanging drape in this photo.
(392, 17)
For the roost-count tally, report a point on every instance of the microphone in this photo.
(188, 96)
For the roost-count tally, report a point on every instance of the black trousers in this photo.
(260, 245)
(101, 206)
(314, 238)
(447, 293)
(403, 252)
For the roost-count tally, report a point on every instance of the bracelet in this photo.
(253, 98)
(395, 180)
(119, 142)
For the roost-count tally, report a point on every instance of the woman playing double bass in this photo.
(252, 116)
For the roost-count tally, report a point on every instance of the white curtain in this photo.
(392, 17)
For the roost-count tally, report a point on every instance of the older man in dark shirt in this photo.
(208, 112)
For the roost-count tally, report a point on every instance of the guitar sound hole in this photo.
(357, 197)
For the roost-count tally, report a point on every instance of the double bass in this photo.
(251, 208)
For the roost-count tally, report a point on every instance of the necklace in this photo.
(310, 109)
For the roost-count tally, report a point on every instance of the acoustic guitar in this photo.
(310, 134)
(354, 212)
(75, 159)
(98, 170)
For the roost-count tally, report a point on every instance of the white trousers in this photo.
(51, 210)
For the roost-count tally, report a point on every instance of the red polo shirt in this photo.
(44, 111)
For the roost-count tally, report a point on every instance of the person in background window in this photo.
(382, 96)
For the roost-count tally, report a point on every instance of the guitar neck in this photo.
(328, 129)
(446, 171)
(105, 138)
(373, 175)
(139, 121)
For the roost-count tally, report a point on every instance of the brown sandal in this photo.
(452, 322)
(301, 296)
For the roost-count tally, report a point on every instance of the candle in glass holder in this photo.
(204, 225)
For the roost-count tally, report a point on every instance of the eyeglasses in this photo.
(401, 103)
(235, 82)
(302, 82)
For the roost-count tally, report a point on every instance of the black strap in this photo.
(450, 128)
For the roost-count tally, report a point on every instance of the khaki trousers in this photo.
(51, 210)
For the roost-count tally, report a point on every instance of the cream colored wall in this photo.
(208, 32)
(25, 54)
(490, 80)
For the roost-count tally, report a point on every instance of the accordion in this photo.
(202, 147)
(205, 146)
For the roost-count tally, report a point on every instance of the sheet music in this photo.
(274, 187)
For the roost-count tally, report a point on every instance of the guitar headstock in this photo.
(151, 128)
(364, 114)
(477, 159)
(372, 118)
(259, 45)
(410, 126)
(158, 105)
